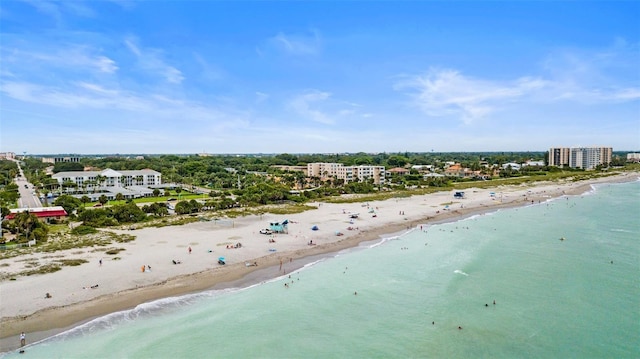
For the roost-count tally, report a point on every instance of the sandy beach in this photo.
(184, 259)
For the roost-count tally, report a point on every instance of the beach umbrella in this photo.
(314, 228)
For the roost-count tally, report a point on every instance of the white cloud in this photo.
(88, 97)
(261, 97)
(321, 107)
(442, 92)
(209, 72)
(297, 44)
(447, 92)
(71, 58)
(307, 105)
(151, 60)
(57, 9)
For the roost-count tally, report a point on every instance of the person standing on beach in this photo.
(23, 339)
(189, 249)
(100, 262)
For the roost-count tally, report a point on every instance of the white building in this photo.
(347, 173)
(633, 157)
(514, 166)
(110, 178)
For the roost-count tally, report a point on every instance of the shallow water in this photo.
(577, 297)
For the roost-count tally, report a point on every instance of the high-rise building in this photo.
(559, 156)
(580, 157)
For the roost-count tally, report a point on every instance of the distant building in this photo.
(533, 163)
(514, 166)
(291, 168)
(456, 170)
(422, 168)
(361, 173)
(633, 157)
(7, 155)
(55, 160)
(399, 171)
(580, 157)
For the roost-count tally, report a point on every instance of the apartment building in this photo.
(55, 160)
(110, 178)
(580, 157)
(361, 173)
(7, 155)
(633, 157)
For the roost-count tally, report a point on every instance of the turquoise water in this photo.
(572, 298)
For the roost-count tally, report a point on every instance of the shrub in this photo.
(82, 230)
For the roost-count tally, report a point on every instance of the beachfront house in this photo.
(45, 214)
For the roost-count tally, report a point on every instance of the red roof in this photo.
(41, 213)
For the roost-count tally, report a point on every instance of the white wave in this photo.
(620, 230)
(383, 240)
(458, 271)
(112, 320)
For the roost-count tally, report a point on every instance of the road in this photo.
(28, 197)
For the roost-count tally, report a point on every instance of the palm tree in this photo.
(103, 200)
(100, 180)
(85, 200)
(119, 197)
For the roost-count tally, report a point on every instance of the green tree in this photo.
(103, 200)
(69, 203)
(119, 197)
(85, 200)
(27, 225)
(397, 161)
(128, 213)
(67, 166)
(156, 192)
(9, 194)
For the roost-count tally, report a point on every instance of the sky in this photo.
(105, 77)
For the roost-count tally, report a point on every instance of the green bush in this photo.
(82, 230)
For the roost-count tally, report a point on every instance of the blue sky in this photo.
(291, 76)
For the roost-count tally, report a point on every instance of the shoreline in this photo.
(40, 324)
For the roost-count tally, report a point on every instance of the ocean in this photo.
(564, 275)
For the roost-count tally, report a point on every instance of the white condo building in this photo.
(110, 178)
(93, 184)
(580, 157)
(361, 173)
